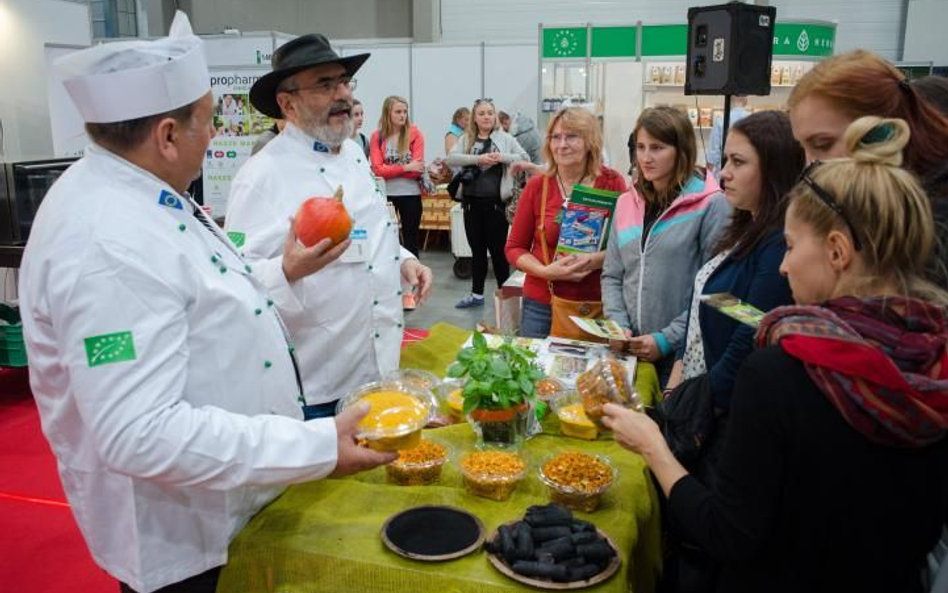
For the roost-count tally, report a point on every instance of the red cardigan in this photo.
(416, 144)
(524, 237)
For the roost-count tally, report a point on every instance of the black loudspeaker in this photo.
(730, 48)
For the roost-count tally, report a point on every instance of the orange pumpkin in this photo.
(319, 218)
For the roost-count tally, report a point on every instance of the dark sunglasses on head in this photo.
(828, 199)
(484, 100)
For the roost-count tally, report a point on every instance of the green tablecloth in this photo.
(324, 536)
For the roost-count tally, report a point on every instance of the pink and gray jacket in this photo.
(647, 284)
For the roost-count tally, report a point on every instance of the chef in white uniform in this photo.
(346, 319)
(163, 376)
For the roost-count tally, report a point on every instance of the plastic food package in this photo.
(419, 466)
(607, 381)
(492, 474)
(577, 480)
(397, 413)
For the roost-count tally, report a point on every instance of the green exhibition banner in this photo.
(802, 39)
(791, 39)
(614, 42)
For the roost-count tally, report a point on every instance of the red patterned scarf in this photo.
(881, 361)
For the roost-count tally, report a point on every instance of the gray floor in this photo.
(448, 290)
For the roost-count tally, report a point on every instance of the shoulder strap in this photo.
(543, 245)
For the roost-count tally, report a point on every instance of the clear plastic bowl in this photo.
(415, 377)
(549, 388)
(568, 407)
(420, 468)
(452, 401)
(397, 413)
(485, 473)
(577, 480)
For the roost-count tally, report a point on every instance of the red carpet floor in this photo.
(41, 549)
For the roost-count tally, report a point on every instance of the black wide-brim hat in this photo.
(292, 57)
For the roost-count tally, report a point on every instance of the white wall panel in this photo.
(510, 78)
(387, 72)
(872, 24)
(445, 78)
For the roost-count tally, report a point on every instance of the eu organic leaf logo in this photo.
(108, 348)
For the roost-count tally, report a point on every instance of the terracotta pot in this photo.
(504, 415)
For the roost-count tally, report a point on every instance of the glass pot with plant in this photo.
(498, 389)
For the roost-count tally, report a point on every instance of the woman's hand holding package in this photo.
(645, 347)
(639, 433)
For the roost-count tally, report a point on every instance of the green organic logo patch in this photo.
(107, 348)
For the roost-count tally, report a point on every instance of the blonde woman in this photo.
(834, 476)
(573, 147)
(486, 151)
(397, 153)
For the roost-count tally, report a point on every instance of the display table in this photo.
(324, 535)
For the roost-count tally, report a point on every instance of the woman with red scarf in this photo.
(834, 475)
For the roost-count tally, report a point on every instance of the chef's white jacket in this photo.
(346, 319)
(163, 377)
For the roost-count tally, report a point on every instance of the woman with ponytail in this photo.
(834, 475)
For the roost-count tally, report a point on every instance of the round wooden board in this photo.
(602, 576)
(478, 542)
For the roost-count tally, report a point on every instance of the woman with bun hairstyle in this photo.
(844, 88)
(834, 474)
(397, 154)
(666, 227)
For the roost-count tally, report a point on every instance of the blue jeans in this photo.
(326, 410)
(535, 319)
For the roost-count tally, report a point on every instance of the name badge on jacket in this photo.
(358, 250)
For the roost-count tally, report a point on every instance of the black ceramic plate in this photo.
(433, 533)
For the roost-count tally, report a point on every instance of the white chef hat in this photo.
(126, 80)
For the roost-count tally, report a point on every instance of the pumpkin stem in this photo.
(338, 194)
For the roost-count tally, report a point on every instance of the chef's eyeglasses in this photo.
(828, 199)
(328, 85)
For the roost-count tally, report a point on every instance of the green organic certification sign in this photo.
(565, 43)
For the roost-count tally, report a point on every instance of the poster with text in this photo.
(236, 128)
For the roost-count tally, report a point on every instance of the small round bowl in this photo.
(549, 388)
(397, 413)
(568, 407)
(492, 474)
(577, 480)
(419, 466)
(415, 378)
(452, 401)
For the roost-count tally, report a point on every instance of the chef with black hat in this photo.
(345, 317)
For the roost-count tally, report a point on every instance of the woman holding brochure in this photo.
(763, 161)
(573, 149)
(665, 229)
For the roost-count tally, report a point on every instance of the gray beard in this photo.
(331, 136)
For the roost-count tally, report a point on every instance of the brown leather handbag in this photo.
(561, 325)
